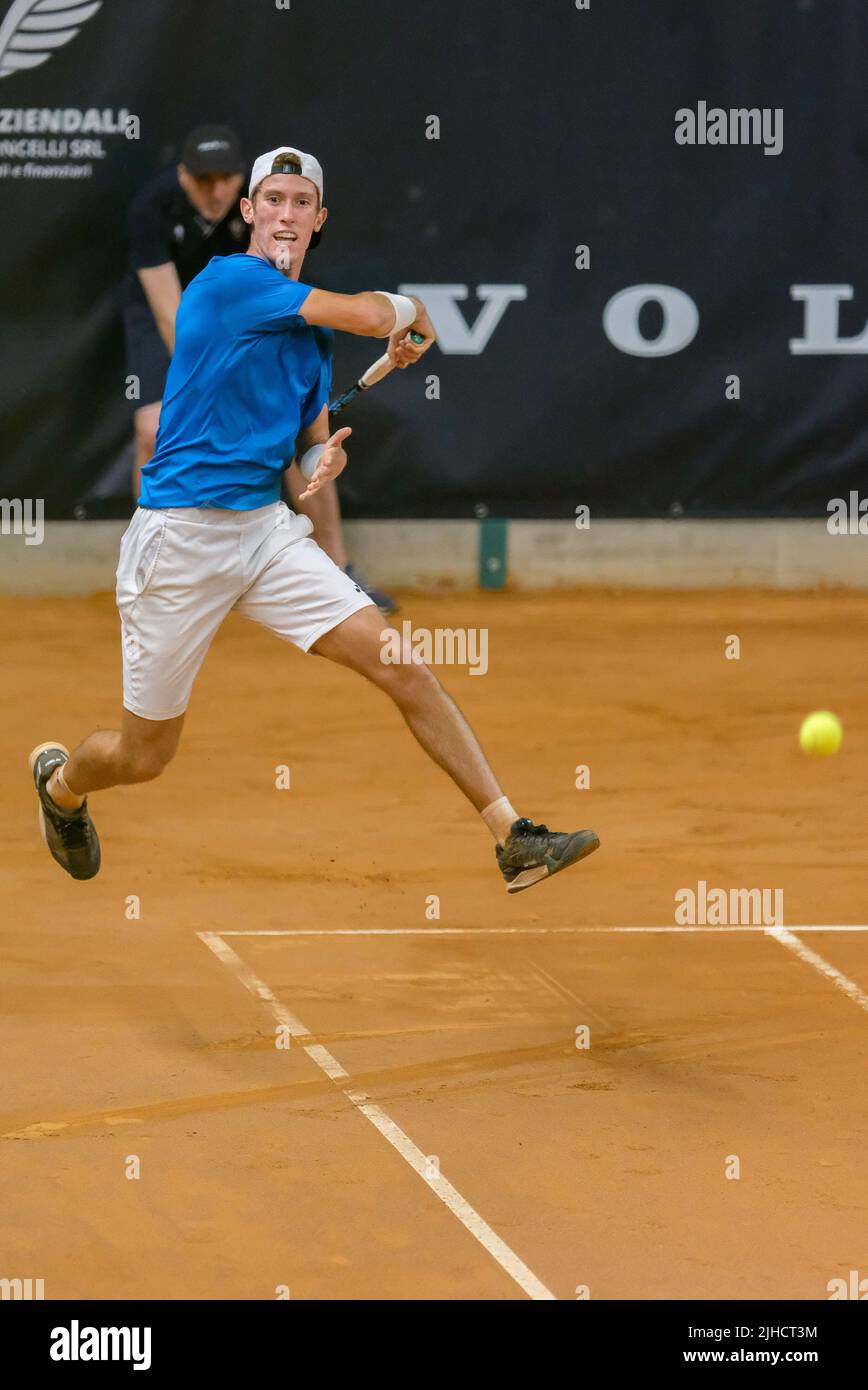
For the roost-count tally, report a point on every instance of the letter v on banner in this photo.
(453, 334)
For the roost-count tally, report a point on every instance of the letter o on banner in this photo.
(621, 320)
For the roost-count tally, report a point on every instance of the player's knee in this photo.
(146, 764)
(408, 682)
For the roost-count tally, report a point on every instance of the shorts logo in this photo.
(32, 29)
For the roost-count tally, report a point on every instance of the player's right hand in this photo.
(402, 350)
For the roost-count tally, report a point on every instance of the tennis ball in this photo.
(821, 733)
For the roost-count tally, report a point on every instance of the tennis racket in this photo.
(375, 373)
(377, 370)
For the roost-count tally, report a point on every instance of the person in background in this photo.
(175, 224)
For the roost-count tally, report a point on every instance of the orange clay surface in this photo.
(602, 1167)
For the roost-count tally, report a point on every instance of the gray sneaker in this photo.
(533, 852)
(70, 835)
(384, 601)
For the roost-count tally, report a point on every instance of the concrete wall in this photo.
(79, 557)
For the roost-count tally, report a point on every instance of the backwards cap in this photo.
(286, 160)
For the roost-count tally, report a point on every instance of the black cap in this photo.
(212, 149)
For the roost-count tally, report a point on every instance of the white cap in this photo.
(308, 167)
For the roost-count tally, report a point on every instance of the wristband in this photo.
(406, 312)
(309, 460)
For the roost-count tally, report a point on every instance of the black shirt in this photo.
(162, 226)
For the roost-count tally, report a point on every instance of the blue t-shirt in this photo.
(247, 374)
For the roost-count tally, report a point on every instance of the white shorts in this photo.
(182, 569)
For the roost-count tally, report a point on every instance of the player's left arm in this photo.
(333, 459)
(317, 432)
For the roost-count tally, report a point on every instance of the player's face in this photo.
(284, 216)
(212, 195)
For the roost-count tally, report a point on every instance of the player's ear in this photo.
(316, 234)
(246, 211)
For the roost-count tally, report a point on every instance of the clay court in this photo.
(432, 1129)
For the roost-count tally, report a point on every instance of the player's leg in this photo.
(178, 575)
(137, 752)
(302, 596)
(526, 852)
(429, 711)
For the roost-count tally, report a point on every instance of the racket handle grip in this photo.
(376, 371)
(383, 366)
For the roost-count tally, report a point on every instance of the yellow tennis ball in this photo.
(821, 733)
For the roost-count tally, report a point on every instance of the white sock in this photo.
(499, 817)
(64, 785)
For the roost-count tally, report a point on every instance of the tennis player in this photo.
(247, 389)
(176, 224)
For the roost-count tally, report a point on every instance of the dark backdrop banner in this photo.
(556, 129)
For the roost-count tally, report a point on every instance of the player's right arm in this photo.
(163, 292)
(368, 315)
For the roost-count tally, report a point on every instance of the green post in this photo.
(492, 553)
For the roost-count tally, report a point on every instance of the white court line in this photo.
(508, 931)
(852, 990)
(440, 1186)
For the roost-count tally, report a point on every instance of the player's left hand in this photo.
(331, 465)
